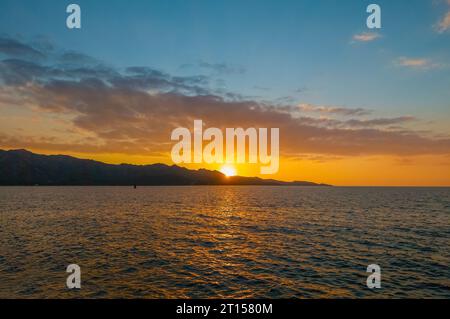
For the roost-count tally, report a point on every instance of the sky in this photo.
(355, 106)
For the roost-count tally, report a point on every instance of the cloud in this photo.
(11, 47)
(216, 68)
(443, 24)
(366, 37)
(222, 68)
(20, 72)
(380, 121)
(134, 110)
(72, 57)
(300, 90)
(332, 110)
(416, 63)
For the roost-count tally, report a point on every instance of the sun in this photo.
(228, 171)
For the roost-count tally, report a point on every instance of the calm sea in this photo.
(224, 241)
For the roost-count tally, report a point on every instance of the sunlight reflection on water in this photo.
(224, 241)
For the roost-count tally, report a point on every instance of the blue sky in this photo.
(281, 46)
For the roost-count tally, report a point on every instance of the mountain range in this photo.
(22, 167)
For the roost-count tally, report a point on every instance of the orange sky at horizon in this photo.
(425, 170)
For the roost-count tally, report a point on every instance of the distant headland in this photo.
(22, 167)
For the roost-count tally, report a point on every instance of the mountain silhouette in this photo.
(22, 167)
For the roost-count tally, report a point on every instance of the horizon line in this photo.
(211, 170)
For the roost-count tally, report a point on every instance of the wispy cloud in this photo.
(443, 24)
(416, 63)
(216, 68)
(366, 37)
(305, 107)
(13, 48)
(380, 121)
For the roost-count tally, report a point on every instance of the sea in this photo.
(224, 241)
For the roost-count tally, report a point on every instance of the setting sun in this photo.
(228, 171)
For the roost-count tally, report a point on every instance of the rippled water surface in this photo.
(225, 241)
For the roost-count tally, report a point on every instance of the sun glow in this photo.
(228, 171)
